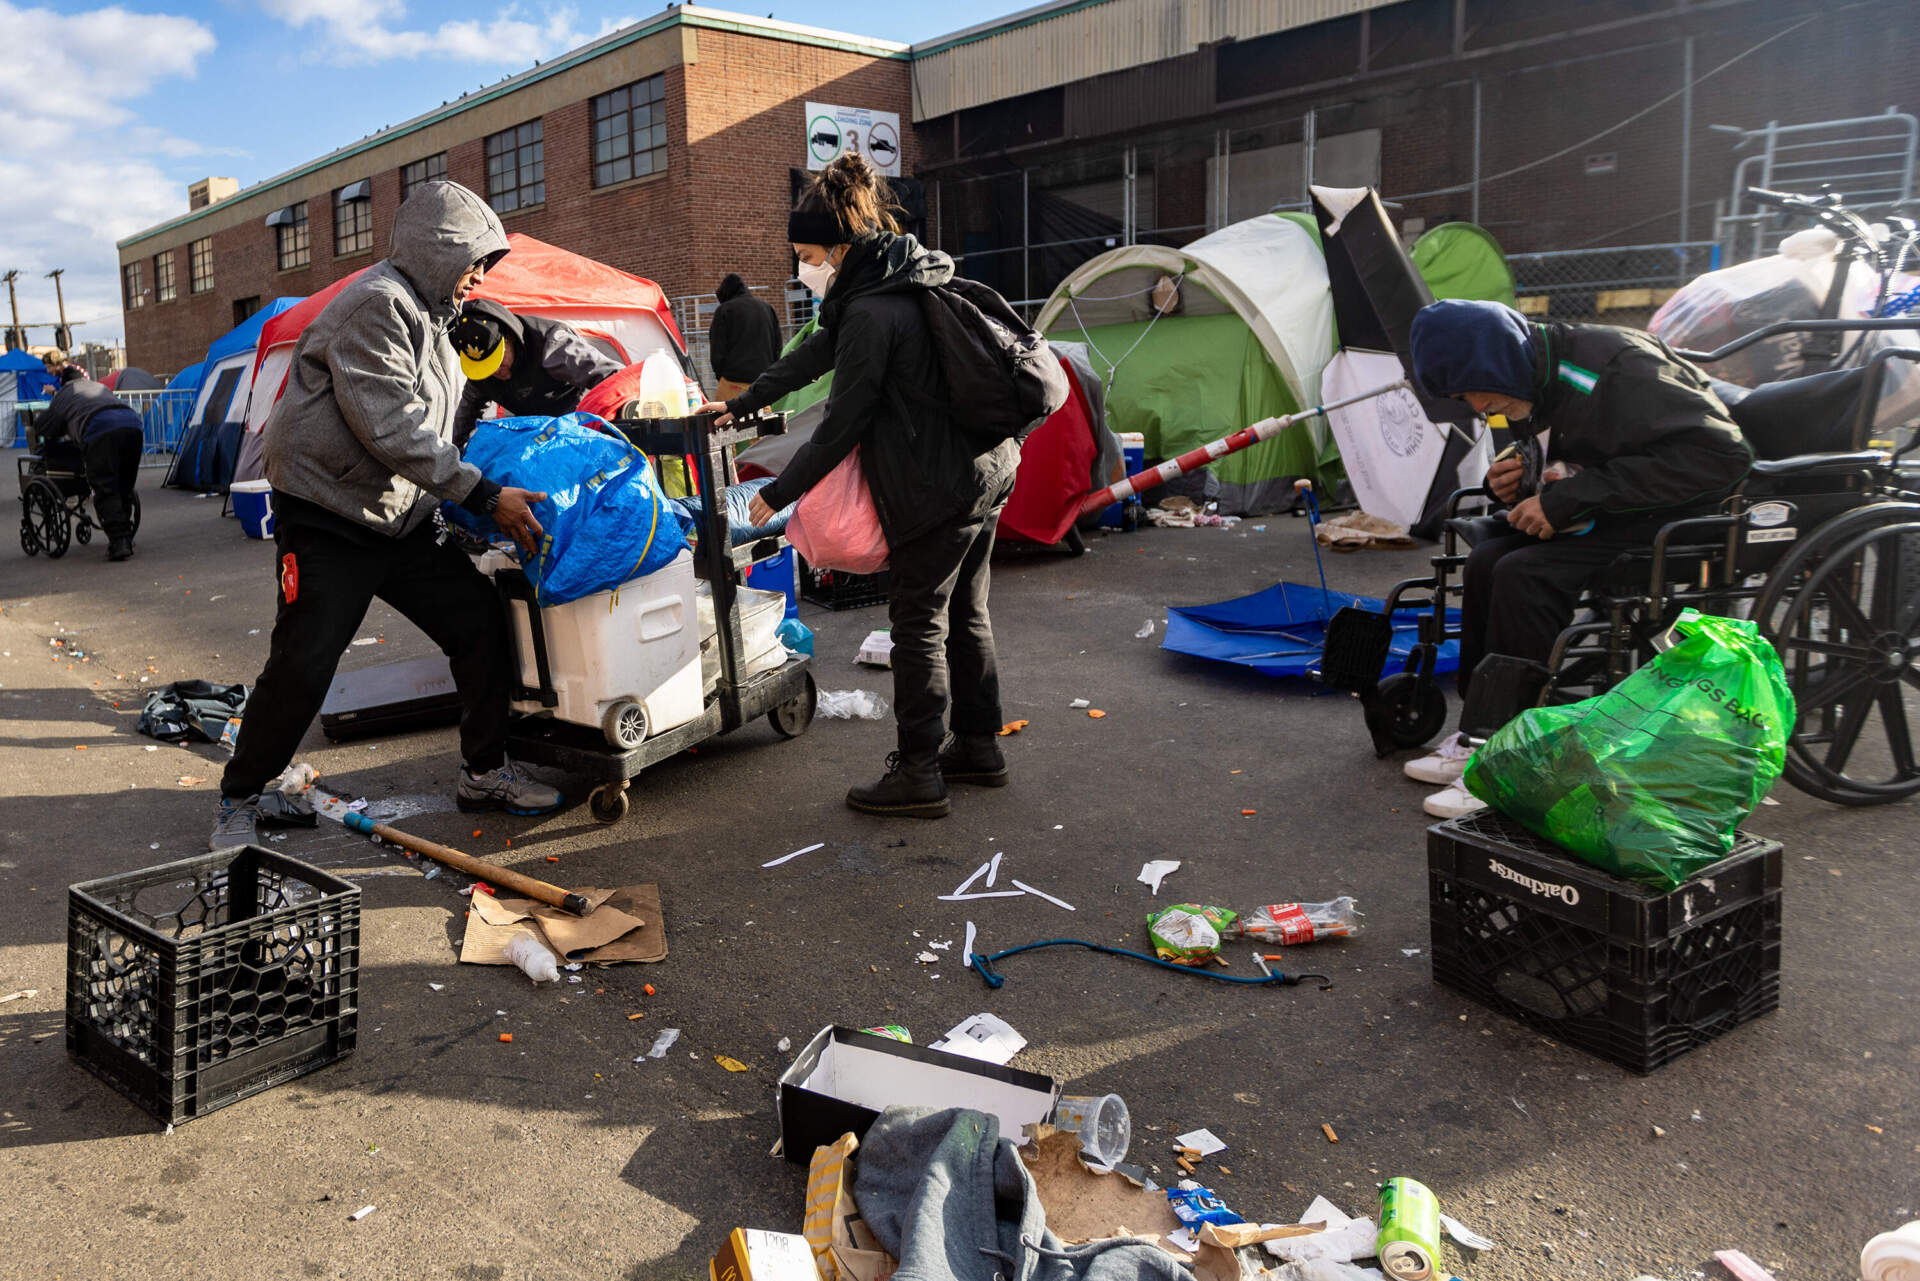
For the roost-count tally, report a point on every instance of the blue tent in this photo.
(210, 446)
(1281, 631)
(30, 379)
(188, 379)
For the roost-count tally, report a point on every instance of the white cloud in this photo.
(75, 176)
(365, 31)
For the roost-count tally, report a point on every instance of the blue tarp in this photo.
(245, 336)
(1280, 631)
(188, 379)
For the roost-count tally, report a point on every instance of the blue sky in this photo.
(117, 108)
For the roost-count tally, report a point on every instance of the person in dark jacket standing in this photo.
(743, 338)
(938, 492)
(524, 364)
(360, 452)
(1637, 439)
(87, 428)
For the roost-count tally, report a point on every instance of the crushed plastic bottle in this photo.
(533, 958)
(851, 705)
(1291, 924)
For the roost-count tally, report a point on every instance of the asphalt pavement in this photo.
(1793, 1138)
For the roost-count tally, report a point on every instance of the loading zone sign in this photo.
(833, 130)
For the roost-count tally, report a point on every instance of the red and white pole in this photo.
(1265, 429)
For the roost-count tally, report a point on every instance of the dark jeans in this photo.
(1520, 592)
(942, 637)
(113, 464)
(326, 583)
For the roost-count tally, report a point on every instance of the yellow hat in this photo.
(481, 346)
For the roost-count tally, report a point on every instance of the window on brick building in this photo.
(164, 290)
(133, 285)
(353, 219)
(516, 168)
(428, 170)
(200, 265)
(243, 308)
(291, 246)
(630, 131)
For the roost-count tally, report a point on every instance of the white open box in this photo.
(844, 1078)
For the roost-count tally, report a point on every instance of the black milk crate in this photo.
(836, 589)
(194, 984)
(1635, 975)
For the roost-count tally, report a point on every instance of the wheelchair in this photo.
(53, 507)
(1820, 546)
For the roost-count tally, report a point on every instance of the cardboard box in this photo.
(752, 1255)
(845, 1078)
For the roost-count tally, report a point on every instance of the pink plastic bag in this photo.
(835, 525)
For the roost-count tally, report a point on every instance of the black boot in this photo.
(973, 758)
(120, 549)
(907, 790)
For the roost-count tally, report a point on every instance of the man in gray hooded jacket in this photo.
(360, 453)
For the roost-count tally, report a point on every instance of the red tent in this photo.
(1055, 463)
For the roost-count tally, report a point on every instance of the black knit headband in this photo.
(815, 227)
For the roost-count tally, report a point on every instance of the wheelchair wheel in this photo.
(1844, 614)
(1417, 709)
(82, 530)
(133, 510)
(46, 520)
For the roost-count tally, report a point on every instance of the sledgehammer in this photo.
(539, 891)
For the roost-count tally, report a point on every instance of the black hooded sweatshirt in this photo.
(922, 467)
(744, 334)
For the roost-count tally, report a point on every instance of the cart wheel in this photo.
(1073, 542)
(48, 517)
(1417, 708)
(625, 725)
(608, 802)
(791, 718)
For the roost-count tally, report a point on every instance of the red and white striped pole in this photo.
(1265, 429)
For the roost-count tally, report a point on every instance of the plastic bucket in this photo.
(253, 504)
(776, 574)
(1133, 450)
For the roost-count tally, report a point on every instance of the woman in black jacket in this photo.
(938, 491)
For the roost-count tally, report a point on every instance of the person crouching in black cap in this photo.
(526, 365)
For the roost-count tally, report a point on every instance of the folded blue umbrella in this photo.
(1282, 630)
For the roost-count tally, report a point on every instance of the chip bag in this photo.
(1189, 934)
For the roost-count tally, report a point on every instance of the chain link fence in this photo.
(1620, 285)
(693, 315)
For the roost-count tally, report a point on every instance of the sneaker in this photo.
(120, 549)
(238, 824)
(505, 789)
(973, 758)
(1453, 801)
(904, 791)
(1443, 764)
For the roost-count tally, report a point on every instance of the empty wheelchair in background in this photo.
(54, 513)
(1820, 547)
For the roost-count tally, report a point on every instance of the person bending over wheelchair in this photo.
(1638, 439)
(86, 428)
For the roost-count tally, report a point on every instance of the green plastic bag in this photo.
(1651, 779)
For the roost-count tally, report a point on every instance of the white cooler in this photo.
(626, 661)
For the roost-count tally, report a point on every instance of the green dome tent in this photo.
(1463, 260)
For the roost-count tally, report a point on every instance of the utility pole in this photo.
(62, 336)
(16, 336)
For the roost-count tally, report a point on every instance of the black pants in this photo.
(1520, 592)
(327, 581)
(942, 637)
(113, 464)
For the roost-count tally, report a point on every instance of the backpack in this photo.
(1002, 378)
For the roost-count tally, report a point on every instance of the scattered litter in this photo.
(969, 946)
(438, 987)
(1328, 1131)
(851, 705)
(24, 994)
(1742, 1267)
(533, 958)
(1659, 1133)
(1697, 1117)
(927, 958)
(1768, 800)
(967, 898)
(986, 1037)
(150, 749)
(1145, 631)
(648, 989)
(1158, 870)
(978, 872)
(190, 780)
(1095, 713)
(1464, 1235)
(730, 1064)
(253, 631)
(993, 869)
(1011, 727)
(786, 1043)
(1338, 1244)
(1291, 924)
(661, 1044)
(817, 845)
(506, 1038)
(1079, 703)
(1409, 951)
(357, 1215)
(1195, 1205)
(876, 650)
(1057, 902)
(1248, 813)
(1201, 1143)
(1892, 1256)
(367, 640)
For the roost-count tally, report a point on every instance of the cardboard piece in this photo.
(752, 1255)
(1084, 1204)
(626, 924)
(844, 1079)
(986, 1037)
(843, 1247)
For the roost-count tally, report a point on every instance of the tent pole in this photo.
(1476, 150)
(1026, 240)
(1310, 130)
(1686, 133)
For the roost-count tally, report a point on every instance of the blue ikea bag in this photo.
(605, 519)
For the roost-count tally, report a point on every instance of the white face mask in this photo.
(817, 277)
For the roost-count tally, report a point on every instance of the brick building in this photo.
(1040, 139)
(710, 107)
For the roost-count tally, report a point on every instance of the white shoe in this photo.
(1443, 764)
(1453, 801)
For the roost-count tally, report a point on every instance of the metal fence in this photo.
(1618, 285)
(693, 314)
(163, 417)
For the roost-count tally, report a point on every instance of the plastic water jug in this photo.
(663, 386)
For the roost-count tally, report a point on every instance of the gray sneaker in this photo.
(505, 789)
(238, 824)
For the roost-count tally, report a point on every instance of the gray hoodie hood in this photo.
(441, 231)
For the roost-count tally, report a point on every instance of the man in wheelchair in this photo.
(1615, 436)
(88, 430)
